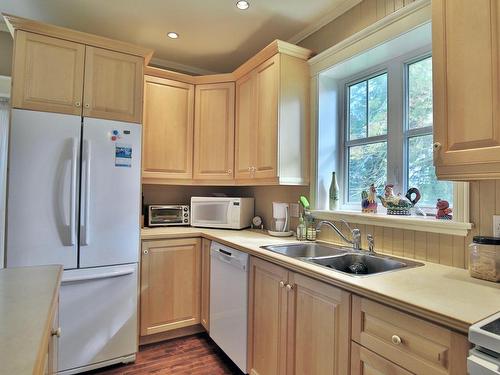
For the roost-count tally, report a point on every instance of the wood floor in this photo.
(193, 355)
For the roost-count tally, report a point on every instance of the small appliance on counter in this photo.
(222, 212)
(281, 220)
(484, 358)
(484, 260)
(167, 215)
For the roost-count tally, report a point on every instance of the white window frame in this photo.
(397, 130)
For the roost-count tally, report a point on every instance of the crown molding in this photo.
(183, 68)
(335, 12)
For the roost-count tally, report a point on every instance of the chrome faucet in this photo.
(355, 233)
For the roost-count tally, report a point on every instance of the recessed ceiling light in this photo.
(173, 35)
(242, 4)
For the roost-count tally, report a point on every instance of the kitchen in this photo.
(316, 192)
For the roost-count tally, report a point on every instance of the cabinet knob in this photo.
(396, 340)
(56, 332)
(145, 252)
(229, 171)
(436, 146)
(289, 287)
(87, 105)
(282, 284)
(78, 104)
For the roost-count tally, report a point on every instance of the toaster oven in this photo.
(167, 215)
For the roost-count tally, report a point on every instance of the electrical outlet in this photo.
(496, 225)
(294, 210)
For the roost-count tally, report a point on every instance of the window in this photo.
(388, 131)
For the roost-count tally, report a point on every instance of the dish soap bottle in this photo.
(334, 193)
(301, 229)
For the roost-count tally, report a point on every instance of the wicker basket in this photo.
(484, 260)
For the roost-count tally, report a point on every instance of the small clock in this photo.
(257, 222)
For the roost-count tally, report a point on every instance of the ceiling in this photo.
(215, 36)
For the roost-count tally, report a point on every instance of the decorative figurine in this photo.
(369, 200)
(443, 210)
(396, 204)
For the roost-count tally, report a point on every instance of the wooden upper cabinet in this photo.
(244, 139)
(170, 284)
(168, 130)
(48, 74)
(272, 123)
(113, 85)
(466, 42)
(266, 121)
(214, 132)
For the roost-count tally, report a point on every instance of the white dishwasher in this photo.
(229, 302)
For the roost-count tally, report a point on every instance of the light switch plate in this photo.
(294, 210)
(496, 225)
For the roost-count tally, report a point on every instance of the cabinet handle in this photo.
(436, 146)
(87, 105)
(396, 340)
(282, 284)
(145, 252)
(289, 287)
(78, 104)
(56, 332)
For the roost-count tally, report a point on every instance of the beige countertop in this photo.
(442, 294)
(28, 296)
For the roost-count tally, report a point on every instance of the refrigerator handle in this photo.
(85, 240)
(72, 217)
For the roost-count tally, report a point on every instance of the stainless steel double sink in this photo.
(343, 259)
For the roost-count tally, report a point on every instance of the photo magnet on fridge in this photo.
(123, 155)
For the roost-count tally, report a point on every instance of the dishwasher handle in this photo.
(230, 258)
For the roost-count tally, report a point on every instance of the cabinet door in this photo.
(365, 362)
(170, 285)
(266, 132)
(318, 333)
(53, 350)
(113, 85)
(245, 133)
(168, 130)
(47, 74)
(267, 318)
(214, 132)
(466, 88)
(205, 284)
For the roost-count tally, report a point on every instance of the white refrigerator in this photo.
(74, 199)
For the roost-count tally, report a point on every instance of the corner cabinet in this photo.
(272, 123)
(214, 132)
(170, 284)
(297, 325)
(167, 130)
(62, 76)
(465, 44)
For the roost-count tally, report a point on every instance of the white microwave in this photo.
(222, 212)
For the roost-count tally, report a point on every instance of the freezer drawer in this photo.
(98, 317)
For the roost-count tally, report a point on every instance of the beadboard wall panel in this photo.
(357, 18)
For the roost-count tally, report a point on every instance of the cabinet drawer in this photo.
(416, 345)
(366, 362)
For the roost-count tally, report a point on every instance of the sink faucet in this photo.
(355, 233)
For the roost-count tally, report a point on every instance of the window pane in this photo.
(377, 105)
(367, 164)
(421, 173)
(420, 94)
(357, 110)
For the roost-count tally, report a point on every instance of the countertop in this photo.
(28, 297)
(441, 294)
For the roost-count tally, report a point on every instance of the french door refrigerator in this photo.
(74, 199)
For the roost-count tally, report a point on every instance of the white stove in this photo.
(484, 358)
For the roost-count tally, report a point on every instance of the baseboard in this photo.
(173, 334)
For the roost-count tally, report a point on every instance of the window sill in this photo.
(428, 224)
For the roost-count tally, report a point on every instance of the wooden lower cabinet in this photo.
(297, 325)
(366, 362)
(170, 284)
(52, 357)
(205, 284)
